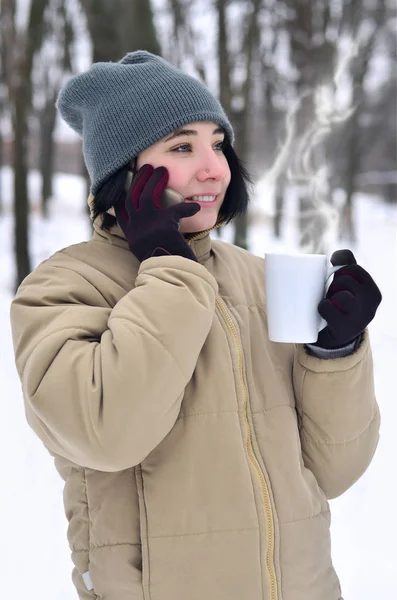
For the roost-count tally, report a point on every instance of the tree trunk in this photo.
(347, 227)
(390, 193)
(1, 162)
(278, 216)
(17, 58)
(47, 124)
(359, 70)
(119, 27)
(225, 92)
(101, 21)
(250, 47)
(140, 31)
(2, 111)
(271, 116)
(21, 201)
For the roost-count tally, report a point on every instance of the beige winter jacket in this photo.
(198, 456)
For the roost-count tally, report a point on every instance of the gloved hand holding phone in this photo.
(150, 229)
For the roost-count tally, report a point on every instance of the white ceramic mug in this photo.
(294, 286)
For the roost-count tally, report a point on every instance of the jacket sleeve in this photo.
(338, 416)
(103, 385)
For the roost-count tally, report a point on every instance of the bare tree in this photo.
(274, 87)
(242, 118)
(184, 41)
(2, 113)
(119, 27)
(379, 137)
(57, 52)
(225, 86)
(19, 49)
(356, 22)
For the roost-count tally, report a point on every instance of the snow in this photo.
(34, 553)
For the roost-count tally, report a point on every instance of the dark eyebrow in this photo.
(181, 132)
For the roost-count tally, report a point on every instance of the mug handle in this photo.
(330, 271)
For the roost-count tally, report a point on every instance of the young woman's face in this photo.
(196, 165)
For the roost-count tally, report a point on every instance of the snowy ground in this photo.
(34, 554)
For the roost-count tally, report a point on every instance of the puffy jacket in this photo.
(197, 455)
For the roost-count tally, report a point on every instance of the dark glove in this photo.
(350, 303)
(150, 229)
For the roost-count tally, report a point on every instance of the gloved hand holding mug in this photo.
(150, 229)
(350, 303)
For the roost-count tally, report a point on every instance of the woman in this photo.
(198, 456)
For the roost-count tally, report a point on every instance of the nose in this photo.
(213, 169)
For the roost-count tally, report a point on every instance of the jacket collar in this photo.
(200, 242)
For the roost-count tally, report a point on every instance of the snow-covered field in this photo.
(34, 554)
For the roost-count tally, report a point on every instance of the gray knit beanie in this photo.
(121, 108)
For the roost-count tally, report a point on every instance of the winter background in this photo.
(34, 554)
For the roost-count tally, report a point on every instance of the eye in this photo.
(220, 145)
(183, 148)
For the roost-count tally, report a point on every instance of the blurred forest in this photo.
(309, 85)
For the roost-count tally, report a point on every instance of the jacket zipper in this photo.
(250, 450)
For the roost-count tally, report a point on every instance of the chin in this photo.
(194, 225)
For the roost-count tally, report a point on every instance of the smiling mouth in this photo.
(204, 199)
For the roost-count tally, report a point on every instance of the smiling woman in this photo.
(197, 455)
(198, 169)
(188, 174)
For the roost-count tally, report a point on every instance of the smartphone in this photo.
(169, 197)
